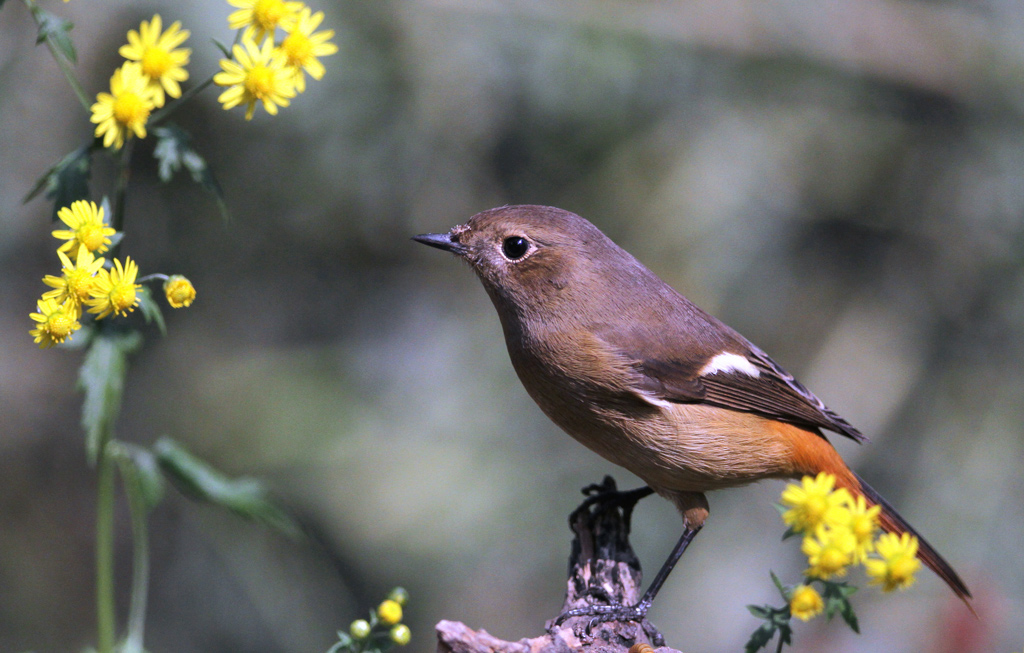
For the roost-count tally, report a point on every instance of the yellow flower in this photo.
(115, 290)
(815, 503)
(76, 278)
(87, 228)
(389, 612)
(863, 524)
(829, 552)
(302, 47)
(179, 291)
(125, 110)
(56, 322)
(898, 563)
(161, 63)
(258, 75)
(805, 603)
(261, 17)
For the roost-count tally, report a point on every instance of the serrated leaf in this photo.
(57, 31)
(67, 181)
(837, 600)
(174, 151)
(102, 379)
(785, 634)
(790, 532)
(758, 611)
(141, 473)
(243, 496)
(760, 638)
(779, 586)
(151, 310)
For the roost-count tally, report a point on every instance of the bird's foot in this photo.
(600, 613)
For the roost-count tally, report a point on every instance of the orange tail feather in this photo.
(892, 522)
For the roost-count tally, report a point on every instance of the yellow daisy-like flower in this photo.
(115, 290)
(179, 291)
(86, 228)
(898, 563)
(261, 17)
(55, 322)
(303, 45)
(805, 603)
(125, 110)
(829, 552)
(863, 524)
(161, 63)
(257, 75)
(815, 503)
(76, 278)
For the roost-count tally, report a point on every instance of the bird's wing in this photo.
(717, 366)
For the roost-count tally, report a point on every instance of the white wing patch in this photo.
(726, 362)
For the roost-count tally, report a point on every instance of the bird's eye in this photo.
(514, 247)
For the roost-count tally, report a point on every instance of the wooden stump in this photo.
(602, 568)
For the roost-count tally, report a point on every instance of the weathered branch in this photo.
(602, 569)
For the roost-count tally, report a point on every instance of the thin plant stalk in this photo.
(106, 619)
(140, 567)
(62, 62)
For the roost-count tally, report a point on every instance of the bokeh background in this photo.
(843, 182)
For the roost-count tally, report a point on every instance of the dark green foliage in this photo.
(243, 496)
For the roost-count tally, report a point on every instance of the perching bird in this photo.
(642, 376)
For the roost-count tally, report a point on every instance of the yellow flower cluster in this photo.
(839, 531)
(87, 282)
(267, 71)
(154, 69)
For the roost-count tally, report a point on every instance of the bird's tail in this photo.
(892, 522)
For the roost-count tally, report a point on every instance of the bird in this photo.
(633, 370)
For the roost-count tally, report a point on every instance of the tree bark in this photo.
(602, 569)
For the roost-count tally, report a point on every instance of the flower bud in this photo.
(179, 291)
(389, 612)
(401, 634)
(360, 629)
(399, 596)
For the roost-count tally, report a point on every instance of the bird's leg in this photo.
(637, 612)
(693, 507)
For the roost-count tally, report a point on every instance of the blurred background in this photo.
(842, 182)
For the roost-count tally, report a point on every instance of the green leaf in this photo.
(760, 638)
(67, 181)
(243, 496)
(780, 586)
(102, 379)
(785, 634)
(837, 600)
(140, 472)
(760, 612)
(57, 31)
(151, 310)
(174, 151)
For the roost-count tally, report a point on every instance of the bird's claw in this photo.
(605, 612)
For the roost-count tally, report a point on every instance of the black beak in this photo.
(440, 241)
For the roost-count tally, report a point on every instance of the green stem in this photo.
(106, 621)
(124, 172)
(140, 561)
(166, 112)
(62, 63)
